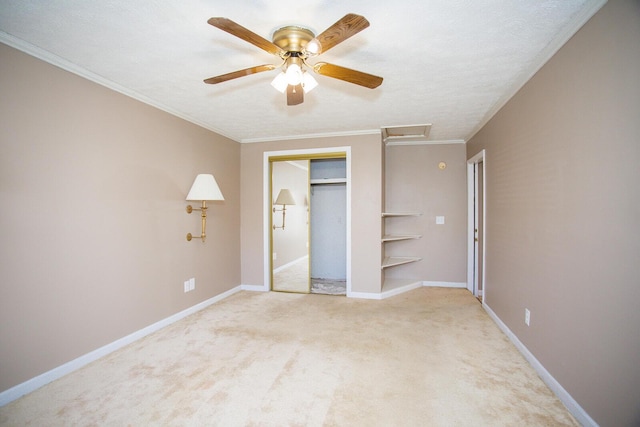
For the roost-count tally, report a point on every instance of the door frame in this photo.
(318, 153)
(471, 214)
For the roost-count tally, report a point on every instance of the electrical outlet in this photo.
(527, 316)
(186, 286)
(192, 283)
(275, 256)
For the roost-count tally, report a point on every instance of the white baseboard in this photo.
(574, 408)
(446, 284)
(254, 288)
(364, 295)
(28, 386)
(406, 288)
(401, 289)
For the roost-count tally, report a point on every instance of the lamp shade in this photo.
(308, 82)
(205, 187)
(285, 198)
(280, 82)
(294, 74)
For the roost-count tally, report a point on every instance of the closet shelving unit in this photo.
(324, 181)
(392, 261)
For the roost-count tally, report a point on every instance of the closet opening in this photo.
(328, 226)
(309, 224)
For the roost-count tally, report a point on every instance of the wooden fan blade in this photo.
(346, 27)
(295, 95)
(239, 73)
(348, 75)
(247, 35)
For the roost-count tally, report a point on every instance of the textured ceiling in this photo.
(451, 63)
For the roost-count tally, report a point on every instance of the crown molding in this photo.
(313, 135)
(427, 142)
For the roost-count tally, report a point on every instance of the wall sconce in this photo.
(204, 188)
(284, 198)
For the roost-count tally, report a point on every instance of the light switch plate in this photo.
(440, 220)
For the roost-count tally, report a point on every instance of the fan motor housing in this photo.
(292, 38)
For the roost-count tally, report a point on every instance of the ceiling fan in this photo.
(294, 46)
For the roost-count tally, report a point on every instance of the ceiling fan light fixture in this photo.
(280, 82)
(294, 45)
(313, 48)
(308, 82)
(294, 74)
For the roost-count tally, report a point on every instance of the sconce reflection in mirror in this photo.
(284, 198)
(204, 188)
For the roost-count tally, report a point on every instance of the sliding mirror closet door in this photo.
(290, 226)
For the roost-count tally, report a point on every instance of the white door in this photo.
(329, 231)
(478, 229)
(476, 173)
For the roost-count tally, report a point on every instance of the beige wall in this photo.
(92, 219)
(563, 204)
(366, 183)
(415, 183)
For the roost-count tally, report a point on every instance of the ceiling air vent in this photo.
(405, 135)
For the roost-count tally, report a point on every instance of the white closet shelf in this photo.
(317, 181)
(391, 214)
(395, 237)
(392, 261)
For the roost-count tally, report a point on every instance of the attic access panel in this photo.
(398, 135)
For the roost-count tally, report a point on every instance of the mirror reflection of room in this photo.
(290, 235)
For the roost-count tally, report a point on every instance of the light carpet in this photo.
(429, 357)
